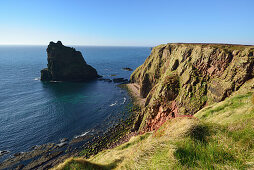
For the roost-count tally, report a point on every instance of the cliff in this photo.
(66, 64)
(180, 79)
(198, 112)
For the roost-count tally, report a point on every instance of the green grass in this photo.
(221, 137)
(140, 138)
(77, 164)
(213, 149)
(229, 107)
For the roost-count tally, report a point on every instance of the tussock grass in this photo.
(220, 137)
(213, 149)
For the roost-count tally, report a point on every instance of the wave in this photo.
(55, 81)
(38, 78)
(124, 100)
(82, 135)
(113, 104)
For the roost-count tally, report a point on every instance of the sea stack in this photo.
(66, 64)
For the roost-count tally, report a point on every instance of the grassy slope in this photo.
(220, 137)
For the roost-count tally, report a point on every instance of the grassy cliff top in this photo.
(216, 45)
(218, 137)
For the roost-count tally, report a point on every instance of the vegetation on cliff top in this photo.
(218, 137)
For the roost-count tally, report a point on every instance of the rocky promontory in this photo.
(66, 64)
(181, 79)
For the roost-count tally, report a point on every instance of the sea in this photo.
(35, 113)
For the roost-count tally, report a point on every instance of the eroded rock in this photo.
(4, 152)
(127, 69)
(120, 80)
(199, 74)
(66, 64)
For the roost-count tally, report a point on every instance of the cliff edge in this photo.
(180, 79)
(66, 64)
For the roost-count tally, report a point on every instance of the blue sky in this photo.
(126, 23)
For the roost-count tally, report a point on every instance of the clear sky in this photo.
(126, 22)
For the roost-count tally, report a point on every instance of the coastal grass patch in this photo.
(131, 143)
(148, 151)
(196, 145)
(193, 154)
(231, 110)
(79, 163)
(212, 146)
(223, 139)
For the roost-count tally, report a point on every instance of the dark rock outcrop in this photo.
(127, 69)
(4, 152)
(120, 80)
(105, 79)
(66, 64)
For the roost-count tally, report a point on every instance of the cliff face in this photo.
(180, 79)
(66, 64)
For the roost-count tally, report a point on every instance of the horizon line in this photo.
(218, 43)
(79, 45)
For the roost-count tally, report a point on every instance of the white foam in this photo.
(55, 81)
(37, 78)
(61, 144)
(124, 100)
(83, 134)
(113, 104)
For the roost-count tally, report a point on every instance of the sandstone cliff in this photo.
(180, 79)
(66, 64)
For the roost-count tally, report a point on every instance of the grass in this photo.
(212, 149)
(221, 137)
(128, 144)
(228, 111)
(78, 163)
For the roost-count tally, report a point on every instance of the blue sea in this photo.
(34, 112)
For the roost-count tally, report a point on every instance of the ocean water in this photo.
(34, 112)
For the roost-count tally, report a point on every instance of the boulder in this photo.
(17, 154)
(4, 152)
(127, 69)
(120, 80)
(66, 64)
(104, 79)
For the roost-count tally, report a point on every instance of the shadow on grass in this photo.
(83, 164)
(198, 155)
(200, 133)
(202, 151)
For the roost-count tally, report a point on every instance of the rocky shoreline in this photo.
(49, 155)
(67, 64)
